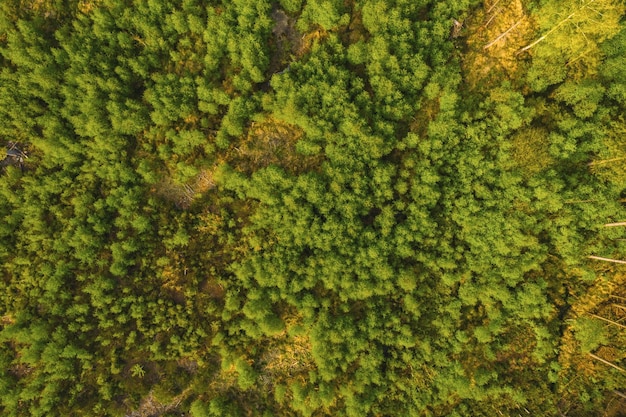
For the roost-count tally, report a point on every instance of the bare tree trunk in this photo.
(606, 161)
(607, 362)
(555, 27)
(608, 321)
(580, 201)
(615, 224)
(490, 44)
(599, 258)
(619, 394)
(491, 18)
(492, 6)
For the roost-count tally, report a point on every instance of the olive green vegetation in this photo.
(312, 208)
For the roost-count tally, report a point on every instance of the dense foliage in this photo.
(308, 208)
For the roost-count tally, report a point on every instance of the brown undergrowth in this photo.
(496, 33)
(271, 142)
(605, 304)
(183, 195)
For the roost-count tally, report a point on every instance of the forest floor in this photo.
(495, 34)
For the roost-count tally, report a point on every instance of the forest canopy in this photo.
(312, 208)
